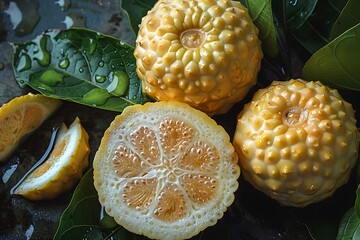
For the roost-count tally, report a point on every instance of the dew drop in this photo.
(100, 78)
(81, 70)
(119, 82)
(24, 63)
(64, 63)
(101, 64)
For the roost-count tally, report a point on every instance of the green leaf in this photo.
(337, 64)
(350, 226)
(136, 10)
(349, 16)
(76, 214)
(261, 14)
(357, 201)
(80, 65)
(297, 12)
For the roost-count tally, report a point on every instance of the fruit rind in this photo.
(297, 141)
(109, 184)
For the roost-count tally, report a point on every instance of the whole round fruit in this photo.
(206, 53)
(297, 141)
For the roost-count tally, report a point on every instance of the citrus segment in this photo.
(165, 170)
(63, 168)
(20, 116)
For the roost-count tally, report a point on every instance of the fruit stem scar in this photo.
(192, 38)
(294, 116)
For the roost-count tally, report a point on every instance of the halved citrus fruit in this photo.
(63, 168)
(20, 116)
(165, 170)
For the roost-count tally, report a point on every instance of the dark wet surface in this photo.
(252, 216)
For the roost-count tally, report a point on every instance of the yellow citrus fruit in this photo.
(206, 53)
(297, 141)
(165, 170)
(20, 116)
(63, 168)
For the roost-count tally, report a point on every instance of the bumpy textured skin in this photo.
(205, 53)
(297, 141)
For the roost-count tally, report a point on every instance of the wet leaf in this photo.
(262, 16)
(350, 16)
(335, 64)
(80, 65)
(297, 12)
(136, 10)
(350, 226)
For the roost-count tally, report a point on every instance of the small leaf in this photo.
(335, 64)
(261, 14)
(349, 17)
(80, 65)
(350, 226)
(75, 214)
(136, 10)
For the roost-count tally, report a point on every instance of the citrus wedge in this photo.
(20, 116)
(63, 168)
(165, 170)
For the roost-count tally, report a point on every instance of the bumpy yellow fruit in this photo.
(205, 53)
(165, 170)
(297, 141)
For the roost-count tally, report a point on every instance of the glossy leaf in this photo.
(297, 12)
(350, 16)
(357, 201)
(262, 16)
(136, 10)
(80, 65)
(350, 226)
(336, 64)
(77, 214)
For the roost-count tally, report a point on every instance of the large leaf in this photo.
(337, 64)
(297, 12)
(80, 65)
(311, 21)
(262, 16)
(350, 226)
(350, 16)
(136, 10)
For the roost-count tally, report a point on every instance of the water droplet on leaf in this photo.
(64, 63)
(119, 83)
(24, 63)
